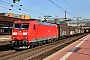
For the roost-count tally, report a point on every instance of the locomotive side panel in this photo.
(32, 32)
(41, 32)
(45, 32)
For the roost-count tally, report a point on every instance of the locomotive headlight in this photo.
(24, 33)
(14, 33)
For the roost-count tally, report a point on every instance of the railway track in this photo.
(38, 53)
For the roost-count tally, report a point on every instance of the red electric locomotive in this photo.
(32, 32)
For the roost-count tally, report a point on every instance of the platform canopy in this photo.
(4, 20)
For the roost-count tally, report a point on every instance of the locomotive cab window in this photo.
(25, 26)
(17, 26)
(21, 26)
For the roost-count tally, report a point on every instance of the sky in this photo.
(41, 8)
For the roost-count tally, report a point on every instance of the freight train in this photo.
(30, 33)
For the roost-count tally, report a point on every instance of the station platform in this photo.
(5, 37)
(79, 50)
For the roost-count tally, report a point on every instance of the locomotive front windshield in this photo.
(25, 26)
(21, 26)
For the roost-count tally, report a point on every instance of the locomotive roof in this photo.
(45, 23)
(37, 21)
(26, 20)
